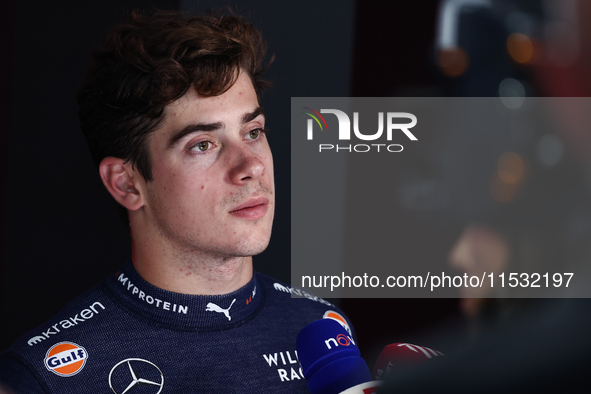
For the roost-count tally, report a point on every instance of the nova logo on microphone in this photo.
(395, 122)
(331, 365)
(339, 319)
(340, 340)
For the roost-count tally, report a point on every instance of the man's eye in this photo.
(202, 146)
(254, 134)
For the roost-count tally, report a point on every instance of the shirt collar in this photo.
(182, 311)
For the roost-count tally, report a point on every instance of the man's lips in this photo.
(253, 209)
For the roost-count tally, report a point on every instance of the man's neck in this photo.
(192, 273)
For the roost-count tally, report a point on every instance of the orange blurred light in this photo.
(505, 183)
(511, 168)
(520, 47)
(452, 61)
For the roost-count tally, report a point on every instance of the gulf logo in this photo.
(339, 318)
(66, 359)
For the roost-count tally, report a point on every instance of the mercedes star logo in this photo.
(132, 373)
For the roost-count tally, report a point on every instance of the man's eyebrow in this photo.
(252, 115)
(193, 128)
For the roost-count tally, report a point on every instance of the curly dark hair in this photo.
(151, 60)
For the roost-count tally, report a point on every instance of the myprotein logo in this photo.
(390, 124)
(340, 340)
(149, 299)
(66, 359)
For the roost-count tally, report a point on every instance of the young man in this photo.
(171, 114)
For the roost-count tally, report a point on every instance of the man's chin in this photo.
(252, 247)
(258, 249)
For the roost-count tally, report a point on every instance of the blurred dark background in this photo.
(60, 231)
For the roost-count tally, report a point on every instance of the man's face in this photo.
(212, 191)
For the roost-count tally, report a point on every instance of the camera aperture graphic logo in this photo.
(310, 131)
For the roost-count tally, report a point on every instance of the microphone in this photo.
(403, 355)
(331, 361)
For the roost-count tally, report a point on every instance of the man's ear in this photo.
(121, 181)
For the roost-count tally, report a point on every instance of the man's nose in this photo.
(246, 166)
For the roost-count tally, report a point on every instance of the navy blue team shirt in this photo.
(128, 336)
